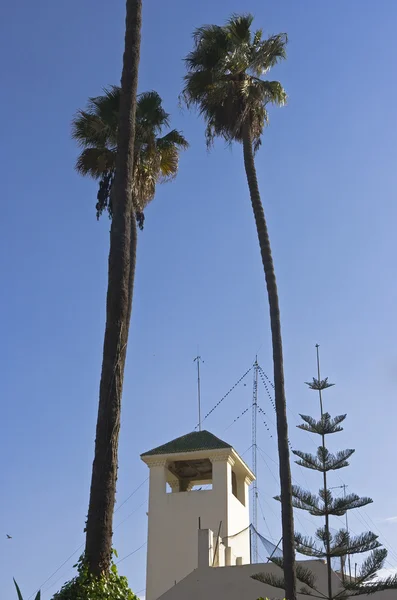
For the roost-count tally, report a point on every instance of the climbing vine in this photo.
(85, 586)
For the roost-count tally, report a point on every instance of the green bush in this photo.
(87, 587)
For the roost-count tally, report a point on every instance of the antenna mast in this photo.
(254, 538)
(197, 360)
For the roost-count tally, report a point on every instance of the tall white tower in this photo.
(178, 507)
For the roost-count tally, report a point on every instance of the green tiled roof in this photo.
(197, 440)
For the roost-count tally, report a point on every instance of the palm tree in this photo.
(104, 470)
(224, 81)
(156, 158)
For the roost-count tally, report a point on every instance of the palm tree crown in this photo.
(156, 157)
(224, 78)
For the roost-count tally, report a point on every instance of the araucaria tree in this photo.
(224, 81)
(156, 159)
(327, 543)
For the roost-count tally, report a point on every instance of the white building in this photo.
(178, 508)
(198, 539)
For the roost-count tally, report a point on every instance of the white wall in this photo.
(172, 534)
(235, 583)
(174, 520)
(238, 520)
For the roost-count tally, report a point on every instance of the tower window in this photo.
(234, 484)
(193, 474)
(238, 487)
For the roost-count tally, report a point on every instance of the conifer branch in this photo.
(319, 384)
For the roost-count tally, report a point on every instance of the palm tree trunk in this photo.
(133, 247)
(104, 470)
(281, 407)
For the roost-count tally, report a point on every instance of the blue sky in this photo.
(328, 182)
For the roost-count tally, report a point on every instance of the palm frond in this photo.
(197, 83)
(169, 163)
(169, 147)
(97, 125)
(211, 45)
(108, 104)
(271, 92)
(106, 107)
(172, 138)
(94, 162)
(239, 28)
(265, 54)
(89, 130)
(156, 157)
(150, 112)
